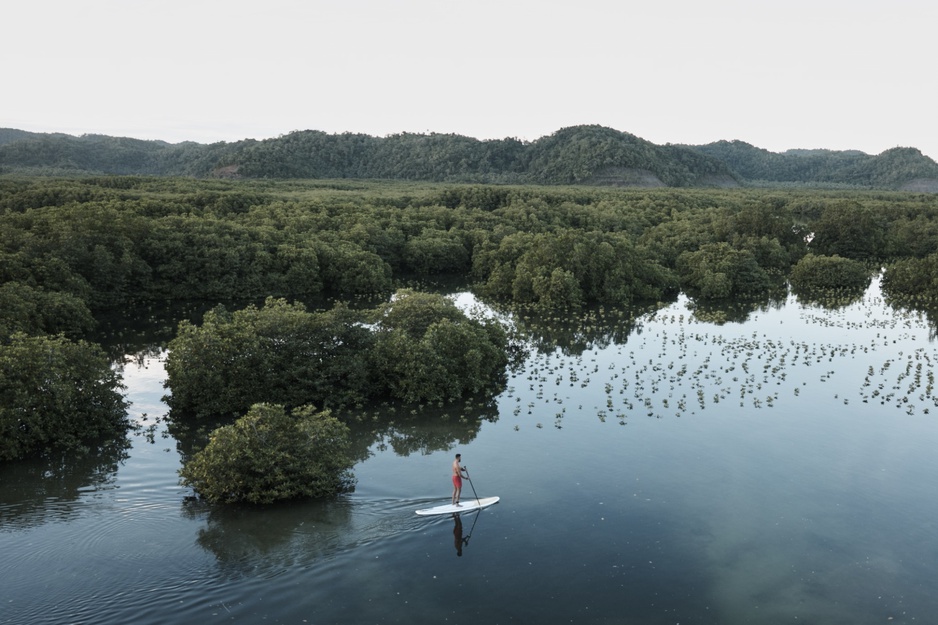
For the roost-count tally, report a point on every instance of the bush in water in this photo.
(279, 354)
(56, 394)
(829, 272)
(428, 350)
(268, 455)
(418, 348)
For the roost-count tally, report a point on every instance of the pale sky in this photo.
(836, 74)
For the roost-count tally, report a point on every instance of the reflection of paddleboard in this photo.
(467, 505)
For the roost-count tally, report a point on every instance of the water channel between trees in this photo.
(665, 470)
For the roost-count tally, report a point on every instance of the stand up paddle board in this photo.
(467, 505)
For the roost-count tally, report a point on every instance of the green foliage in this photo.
(406, 156)
(427, 350)
(912, 232)
(829, 272)
(110, 242)
(413, 312)
(279, 353)
(348, 269)
(60, 154)
(486, 198)
(56, 394)
(770, 219)
(268, 455)
(850, 168)
(207, 257)
(755, 163)
(581, 154)
(37, 311)
(769, 254)
(436, 251)
(893, 169)
(568, 269)
(586, 154)
(912, 281)
(719, 271)
(851, 230)
(421, 347)
(97, 242)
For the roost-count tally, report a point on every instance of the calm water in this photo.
(776, 470)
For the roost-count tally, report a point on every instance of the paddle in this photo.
(473, 487)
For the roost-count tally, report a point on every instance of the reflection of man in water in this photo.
(459, 541)
(457, 479)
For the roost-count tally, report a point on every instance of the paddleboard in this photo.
(466, 505)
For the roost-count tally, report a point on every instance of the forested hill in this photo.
(590, 155)
(576, 155)
(898, 168)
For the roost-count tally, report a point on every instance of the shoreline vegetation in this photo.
(75, 251)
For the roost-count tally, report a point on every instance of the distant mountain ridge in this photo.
(588, 155)
(896, 168)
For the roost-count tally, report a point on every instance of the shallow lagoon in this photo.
(657, 470)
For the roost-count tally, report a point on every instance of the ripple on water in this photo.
(106, 554)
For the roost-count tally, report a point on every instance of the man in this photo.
(458, 472)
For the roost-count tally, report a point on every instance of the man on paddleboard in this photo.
(458, 472)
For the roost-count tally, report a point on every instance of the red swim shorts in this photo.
(457, 481)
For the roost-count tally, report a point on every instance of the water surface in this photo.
(657, 470)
